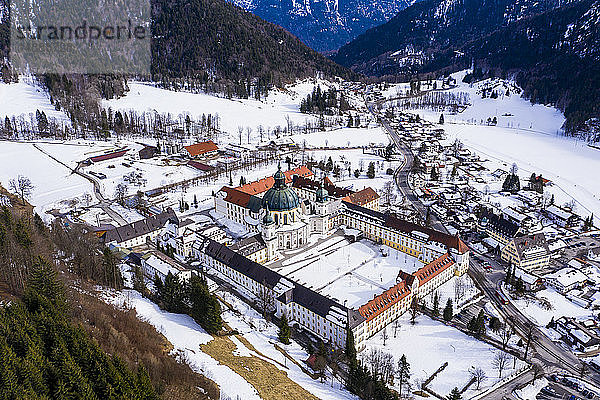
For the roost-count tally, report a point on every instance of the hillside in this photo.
(552, 52)
(196, 37)
(219, 46)
(416, 34)
(325, 25)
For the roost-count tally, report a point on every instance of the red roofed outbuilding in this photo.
(202, 149)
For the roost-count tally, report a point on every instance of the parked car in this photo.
(548, 390)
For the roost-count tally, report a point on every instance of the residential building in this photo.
(158, 264)
(566, 279)
(496, 226)
(137, 233)
(528, 252)
(561, 216)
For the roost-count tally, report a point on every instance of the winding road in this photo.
(549, 355)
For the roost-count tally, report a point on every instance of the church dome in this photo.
(268, 219)
(280, 197)
(322, 194)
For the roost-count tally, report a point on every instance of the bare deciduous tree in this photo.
(478, 374)
(384, 336)
(265, 299)
(459, 289)
(538, 372)
(120, 193)
(414, 310)
(499, 362)
(22, 186)
(506, 334)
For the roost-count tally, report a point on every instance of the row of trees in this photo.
(435, 101)
(190, 297)
(363, 382)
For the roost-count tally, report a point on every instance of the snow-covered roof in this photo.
(567, 276)
(580, 335)
(162, 266)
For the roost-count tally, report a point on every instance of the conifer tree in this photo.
(284, 330)
(455, 394)
(350, 346)
(403, 372)
(371, 170)
(448, 311)
(435, 311)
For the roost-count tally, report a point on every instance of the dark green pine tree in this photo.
(480, 323)
(448, 311)
(111, 272)
(350, 346)
(214, 322)
(284, 330)
(435, 311)
(371, 170)
(174, 294)
(403, 372)
(455, 394)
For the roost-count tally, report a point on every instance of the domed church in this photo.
(284, 225)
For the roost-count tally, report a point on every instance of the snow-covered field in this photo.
(344, 137)
(263, 335)
(272, 112)
(349, 272)
(25, 97)
(52, 181)
(526, 134)
(428, 344)
(560, 307)
(354, 159)
(569, 164)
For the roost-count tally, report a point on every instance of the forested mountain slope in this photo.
(551, 51)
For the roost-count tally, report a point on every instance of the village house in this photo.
(137, 233)
(566, 279)
(581, 335)
(561, 216)
(157, 264)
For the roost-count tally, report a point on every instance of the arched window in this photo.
(277, 218)
(285, 219)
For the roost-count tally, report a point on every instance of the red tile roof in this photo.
(362, 197)
(200, 166)
(433, 269)
(265, 184)
(236, 196)
(201, 148)
(384, 301)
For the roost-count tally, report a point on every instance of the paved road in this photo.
(103, 204)
(543, 351)
(403, 172)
